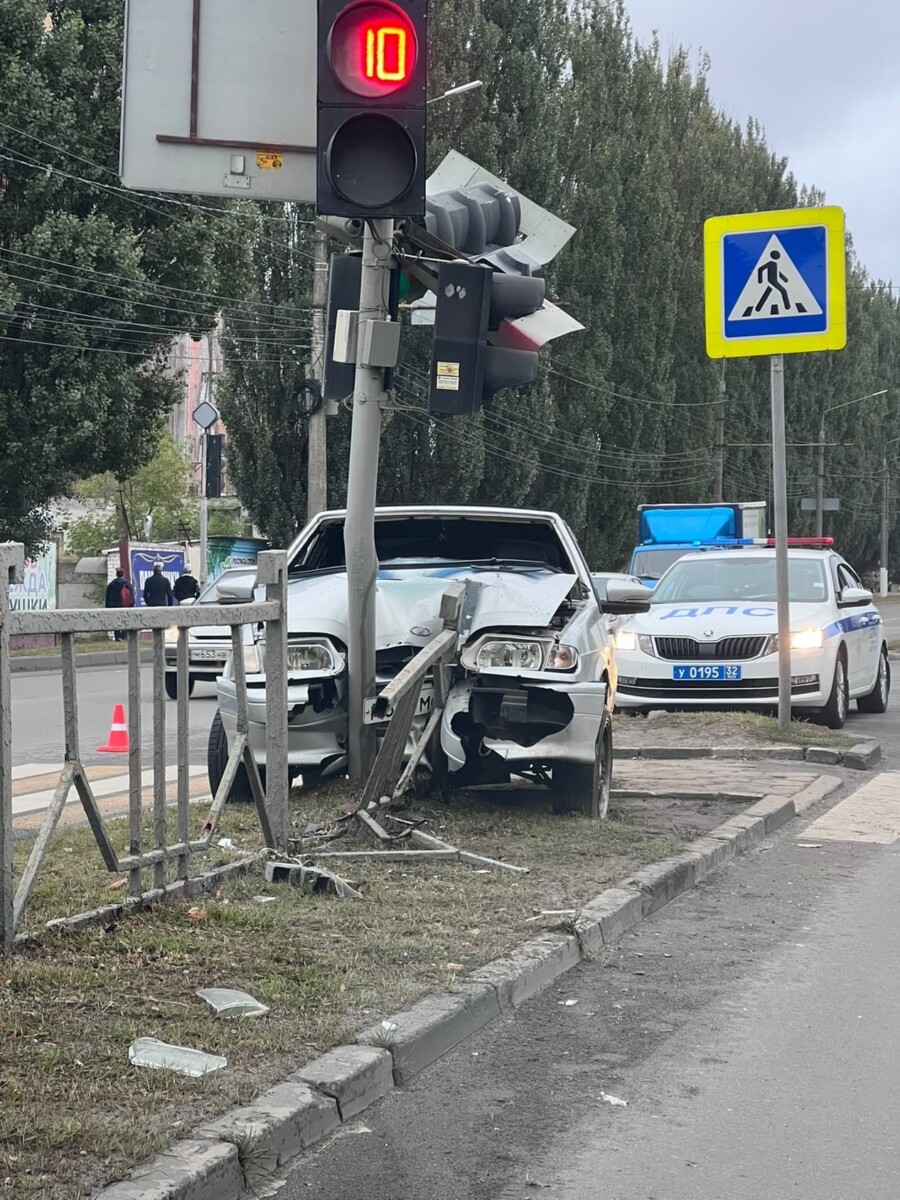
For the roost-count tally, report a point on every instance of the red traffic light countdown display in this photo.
(371, 108)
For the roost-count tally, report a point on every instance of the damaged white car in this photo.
(533, 682)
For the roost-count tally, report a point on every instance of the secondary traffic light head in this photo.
(473, 301)
(371, 108)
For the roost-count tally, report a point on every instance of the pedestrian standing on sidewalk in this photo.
(186, 586)
(157, 589)
(119, 594)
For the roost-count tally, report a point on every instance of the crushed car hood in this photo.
(408, 603)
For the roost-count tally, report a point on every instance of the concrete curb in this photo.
(234, 1152)
(861, 757)
(53, 662)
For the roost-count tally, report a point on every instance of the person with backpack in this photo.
(119, 594)
(157, 589)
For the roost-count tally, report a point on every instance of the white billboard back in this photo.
(219, 98)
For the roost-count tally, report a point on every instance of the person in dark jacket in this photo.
(157, 589)
(186, 586)
(115, 598)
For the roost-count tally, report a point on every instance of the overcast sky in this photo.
(823, 78)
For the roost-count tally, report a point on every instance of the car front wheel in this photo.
(585, 787)
(877, 699)
(217, 760)
(834, 714)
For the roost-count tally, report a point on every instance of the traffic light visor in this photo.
(373, 48)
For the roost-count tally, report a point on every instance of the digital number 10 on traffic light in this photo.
(372, 69)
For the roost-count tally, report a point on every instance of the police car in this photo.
(710, 637)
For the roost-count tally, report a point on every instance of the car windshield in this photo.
(417, 543)
(652, 564)
(747, 578)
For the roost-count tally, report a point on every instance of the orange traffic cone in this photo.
(118, 734)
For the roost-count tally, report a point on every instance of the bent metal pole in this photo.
(362, 485)
(782, 579)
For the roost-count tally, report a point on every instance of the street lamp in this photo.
(457, 91)
(883, 581)
(820, 468)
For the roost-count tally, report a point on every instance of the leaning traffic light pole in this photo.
(371, 96)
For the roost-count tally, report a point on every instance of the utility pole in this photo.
(884, 571)
(317, 469)
(883, 580)
(820, 480)
(204, 452)
(719, 453)
(359, 527)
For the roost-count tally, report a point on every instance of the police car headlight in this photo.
(627, 639)
(801, 639)
(807, 639)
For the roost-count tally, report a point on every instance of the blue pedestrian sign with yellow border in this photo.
(775, 282)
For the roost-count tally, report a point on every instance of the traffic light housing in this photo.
(214, 474)
(477, 351)
(473, 302)
(372, 68)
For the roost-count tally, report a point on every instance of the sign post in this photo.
(776, 285)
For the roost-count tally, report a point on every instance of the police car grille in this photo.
(681, 649)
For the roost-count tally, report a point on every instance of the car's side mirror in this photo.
(854, 597)
(620, 597)
(238, 591)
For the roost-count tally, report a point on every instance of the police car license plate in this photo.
(701, 673)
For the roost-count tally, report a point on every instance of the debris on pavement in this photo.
(161, 1056)
(312, 878)
(568, 1003)
(228, 1002)
(552, 912)
(615, 1101)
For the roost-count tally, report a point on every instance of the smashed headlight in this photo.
(314, 657)
(519, 654)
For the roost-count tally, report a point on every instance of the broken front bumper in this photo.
(521, 722)
(317, 722)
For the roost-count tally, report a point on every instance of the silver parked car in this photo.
(208, 646)
(534, 686)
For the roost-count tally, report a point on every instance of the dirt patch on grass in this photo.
(74, 1115)
(722, 729)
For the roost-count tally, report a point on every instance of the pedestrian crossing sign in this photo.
(775, 282)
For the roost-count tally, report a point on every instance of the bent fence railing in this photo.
(396, 706)
(271, 804)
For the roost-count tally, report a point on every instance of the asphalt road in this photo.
(752, 1028)
(37, 715)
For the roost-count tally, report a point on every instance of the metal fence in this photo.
(271, 804)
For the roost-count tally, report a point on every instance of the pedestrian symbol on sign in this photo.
(775, 288)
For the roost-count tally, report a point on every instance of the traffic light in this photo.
(472, 303)
(371, 108)
(214, 445)
(476, 349)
